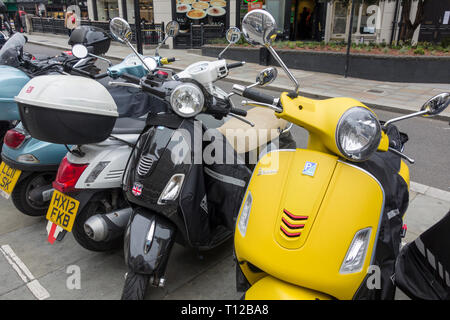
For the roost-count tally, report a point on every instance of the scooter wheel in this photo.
(135, 286)
(95, 206)
(20, 194)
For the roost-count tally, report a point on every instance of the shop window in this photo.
(107, 9)
(146, 10)
(340, 18)
(207, 12)
(364, 20)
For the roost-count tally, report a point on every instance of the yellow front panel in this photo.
(340, 200)
(269, 288)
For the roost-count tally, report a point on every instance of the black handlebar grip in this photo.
(101, 75)
(235, 65)
(150, 89)
(258, 96)
(239, 112)
(170, 60)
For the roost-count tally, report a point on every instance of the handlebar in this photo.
(239, 112)
(235, 65)
(145, 87)
(167, 60)
(258, 96)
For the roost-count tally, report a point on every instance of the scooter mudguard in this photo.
(302, 200)
(48, 154)
(12, 80)
(269, 288)
(148, 242)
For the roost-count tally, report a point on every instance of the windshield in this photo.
(10, 51)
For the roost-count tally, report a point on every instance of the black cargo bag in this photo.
(422, 270)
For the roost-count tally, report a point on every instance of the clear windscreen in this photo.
(9, 53)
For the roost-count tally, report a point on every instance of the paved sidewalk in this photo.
(391, 96)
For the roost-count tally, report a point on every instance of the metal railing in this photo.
(199, 35)
(152, 34)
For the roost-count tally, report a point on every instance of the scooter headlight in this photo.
(187, 100)
(358, 134)
(356, 254)
(245, 214)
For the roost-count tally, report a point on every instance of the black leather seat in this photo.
(128, 126)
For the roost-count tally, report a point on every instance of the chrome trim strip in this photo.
(382, 206)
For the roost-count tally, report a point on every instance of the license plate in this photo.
(62, 210)
(8, 179)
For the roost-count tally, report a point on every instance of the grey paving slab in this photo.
(423, 212)
(31, 246)
(12, 219)
(219, 282)
(9, 279)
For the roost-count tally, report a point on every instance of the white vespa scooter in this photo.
(94, 171)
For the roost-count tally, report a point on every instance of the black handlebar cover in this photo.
(258, 96)
(170, 60)
(239, 112)
(235, 65)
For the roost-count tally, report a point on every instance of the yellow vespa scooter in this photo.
(323, 222)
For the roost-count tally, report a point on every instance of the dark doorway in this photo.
(436, 24)
(308, 20)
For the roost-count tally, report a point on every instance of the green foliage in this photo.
(445, 43)
(420, 51)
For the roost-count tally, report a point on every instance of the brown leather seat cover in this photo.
(245, 138)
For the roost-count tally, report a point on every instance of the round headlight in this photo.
(358, 134)
(187, 100)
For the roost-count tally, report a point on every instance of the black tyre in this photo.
(20, 195)
(135, 286)
(93, 207)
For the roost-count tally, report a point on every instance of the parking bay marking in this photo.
(24, 273)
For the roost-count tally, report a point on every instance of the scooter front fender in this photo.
(148, 242)
(270, 288)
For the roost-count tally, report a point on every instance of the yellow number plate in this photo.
(8, 179)
(62, 210)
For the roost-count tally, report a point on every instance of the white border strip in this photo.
(24, 273)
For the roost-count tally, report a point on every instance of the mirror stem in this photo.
(412, 115)
(137, 54)
(285, 68)
(101, 58)
(223, 51)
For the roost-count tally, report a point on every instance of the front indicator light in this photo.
(356, 254)
(245, 214)
(172, 189)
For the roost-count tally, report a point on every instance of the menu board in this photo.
(200, 11)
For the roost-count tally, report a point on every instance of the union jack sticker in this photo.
(137, 189)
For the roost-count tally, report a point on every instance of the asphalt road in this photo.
(429, 142)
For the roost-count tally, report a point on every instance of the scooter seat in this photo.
(245, 138)
(128, 126)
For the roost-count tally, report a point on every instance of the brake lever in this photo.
(260, 104)
(242, 119)
(124, 84)
(402, 155)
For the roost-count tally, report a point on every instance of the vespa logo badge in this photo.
(309, 169)
(137, 189)
(30, 89)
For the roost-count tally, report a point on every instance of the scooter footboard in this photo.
(270, 288)
(148, 242)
